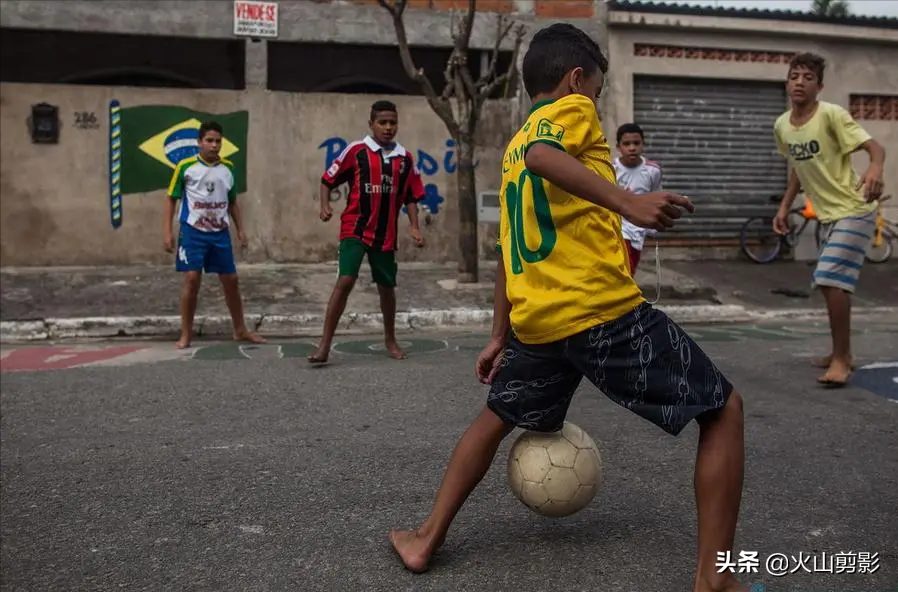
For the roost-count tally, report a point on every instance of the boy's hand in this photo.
(656, 210)
(241, 238)
(781, 222)
(169, 243)
(489, 361)
(872, 182)
(326, 213)
(416, 234)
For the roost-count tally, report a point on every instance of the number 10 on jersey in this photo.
(529, 187)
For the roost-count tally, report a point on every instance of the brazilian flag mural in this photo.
(146, 143)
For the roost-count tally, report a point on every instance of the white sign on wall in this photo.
(255, 19)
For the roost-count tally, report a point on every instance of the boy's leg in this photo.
(646, 363)
(220, 260)
(189, 260)
(532, 390)
(469, 462)
(351, 253)
(837, 273)
(383, 270)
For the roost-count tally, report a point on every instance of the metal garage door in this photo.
(714, 140)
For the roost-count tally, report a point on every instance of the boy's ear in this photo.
(575, 79)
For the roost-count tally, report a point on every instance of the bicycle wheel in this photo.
(758, 240)
(883, 251)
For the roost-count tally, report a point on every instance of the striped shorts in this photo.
(842, 252)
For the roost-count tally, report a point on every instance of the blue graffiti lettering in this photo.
(426, 163)
(432, 199)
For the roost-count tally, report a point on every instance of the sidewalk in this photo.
(56, 303)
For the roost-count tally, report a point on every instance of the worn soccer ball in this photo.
(555, 474)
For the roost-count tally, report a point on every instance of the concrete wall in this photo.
(860, 61)
(54, 199)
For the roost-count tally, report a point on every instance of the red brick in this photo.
(565, 9)
(446, 5)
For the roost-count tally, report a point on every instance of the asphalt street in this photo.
(244, 469)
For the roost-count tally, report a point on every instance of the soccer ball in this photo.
(555, 474)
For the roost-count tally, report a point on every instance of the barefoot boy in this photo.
(639, 175)
(208, 193)
(818, 139)
(566, 306)
(382, 178)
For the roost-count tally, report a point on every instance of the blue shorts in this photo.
(211, 252)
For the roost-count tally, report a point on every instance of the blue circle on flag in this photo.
(181, 144)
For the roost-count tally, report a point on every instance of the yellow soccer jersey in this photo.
(820, 152)
(565, 261)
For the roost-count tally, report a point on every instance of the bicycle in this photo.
(884, 235)
(758, 231)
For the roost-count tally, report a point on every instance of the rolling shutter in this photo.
(714, 141)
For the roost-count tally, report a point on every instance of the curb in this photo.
(305, 325)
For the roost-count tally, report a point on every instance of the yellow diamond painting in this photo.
(178, 142)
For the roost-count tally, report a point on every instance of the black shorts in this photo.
(642, 361)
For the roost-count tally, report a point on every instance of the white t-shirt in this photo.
(643, 178)
(205, 190)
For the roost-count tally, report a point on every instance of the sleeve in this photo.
(342, 165)
(780, 145)
(414, 187)
(232, 190)
(570, 124)
(657, 178)
(847, 132)
(176, 185)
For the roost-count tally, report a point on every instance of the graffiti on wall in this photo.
(427, 164)
(146, 143)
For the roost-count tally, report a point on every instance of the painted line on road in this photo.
(878, 365)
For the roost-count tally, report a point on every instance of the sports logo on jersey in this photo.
(549, 131)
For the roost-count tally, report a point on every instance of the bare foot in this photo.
(319, 356)
(394, 350)
(414, 550)
(824, 362)
(731, 584)
(247, 335)
(836, 375)
(184, 342)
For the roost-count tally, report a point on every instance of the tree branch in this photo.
(462, 39)
(503, 28)
(396, 8)
(506, 78)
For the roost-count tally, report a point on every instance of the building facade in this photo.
(705, 84)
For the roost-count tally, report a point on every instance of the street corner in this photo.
(64, 357)
(879, 378)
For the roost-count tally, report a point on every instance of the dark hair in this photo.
(556, 50)
(209, 126)
(380, 106)
(629, 128)
(811, 61)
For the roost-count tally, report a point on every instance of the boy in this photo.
(570, 307)
(382, 178)
(818, 139)
(208, 192)
(636, 174)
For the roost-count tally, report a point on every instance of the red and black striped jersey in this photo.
(380, 183)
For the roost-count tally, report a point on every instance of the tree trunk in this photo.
(468, 244)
